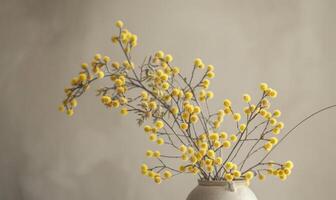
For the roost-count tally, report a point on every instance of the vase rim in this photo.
(220, 182)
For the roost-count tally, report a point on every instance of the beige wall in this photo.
(44, 155)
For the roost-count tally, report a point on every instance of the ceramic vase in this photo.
(221, 190)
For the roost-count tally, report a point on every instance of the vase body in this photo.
(221, 190)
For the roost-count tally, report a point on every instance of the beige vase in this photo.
(221, 190)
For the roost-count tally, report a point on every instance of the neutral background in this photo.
(96, 154)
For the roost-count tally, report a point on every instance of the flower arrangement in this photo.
(175, 110)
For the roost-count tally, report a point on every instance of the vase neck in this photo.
(232, 186)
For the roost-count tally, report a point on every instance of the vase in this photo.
(221, 190)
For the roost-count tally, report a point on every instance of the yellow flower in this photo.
(188, 95)
(210, 68)
(175, 92)
(152, 137)
(115, 39)
(263, 112)
(73, 103)
(97, 57)
(211, 154)
(123, 100)
(133, 40)
(106, 59)
(82, 77)
(263, 86)
(193, 118)
(159, 54)
(289, 164)
(124, 111)
(160, 141)
(165, 86)
(189, 108)
(276, 130)
(144, 167)
(233, 138)
(182, 168)
(220, 113)
(197, 109)
(149, 153)
(217, 124)
(169, 58)
(280, 125)
(223, 135)
(198, 63)
(227, 110)
(227, 103)
(199, 156)
(205, 83)
(287, 171)
(228, 177)
(147, 129)
(106, 99)
(210, 74)
(115, 65)
(119, 24)
(84, 65)
(115, 103)
(144, 95)
(204, 145)
(184, 157)
(152, 105)
(209, 168)
(213, 136)
(159, 124)
(174, 110)
(183, 148)
(217, 144)
(242, 127)
(273, 140)
(70, 112)
(190, 150)
(236, 173)
(208, 162)
(276, 113)
(157, 154)
(175, 70)
(100, 74)
(268, 146)
(218, 161)
(228, 165)
(246, 98)
(167, 174)
(184, 126)
(273, 93)
(226, 144)
(195, 170)
(249, 175)
(157, 179)
(193, 159)
(128, 65)
(273, 121)
(210, 95)
(236, 117)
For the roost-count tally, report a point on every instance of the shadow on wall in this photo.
(103, 181)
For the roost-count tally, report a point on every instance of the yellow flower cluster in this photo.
(157, 177)
(152, 131)
(177, 114)
(282, 171)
